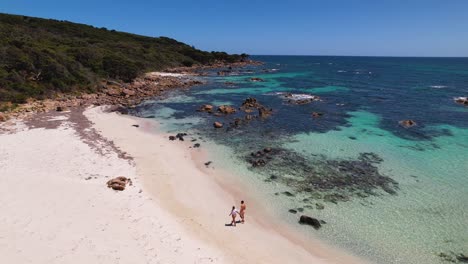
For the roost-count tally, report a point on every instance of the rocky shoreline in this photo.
(117, 93)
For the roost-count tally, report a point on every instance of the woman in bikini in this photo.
(233, 214)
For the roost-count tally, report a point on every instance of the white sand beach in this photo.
(56, 207)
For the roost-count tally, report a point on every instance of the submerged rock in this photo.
(332, 181)
(256, 79)
(307, 220)
(316, 114)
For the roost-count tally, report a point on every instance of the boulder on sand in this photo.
(307, 220)
(119, 183)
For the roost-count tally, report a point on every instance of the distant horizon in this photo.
(418, 28)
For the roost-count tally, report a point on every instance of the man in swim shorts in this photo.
(242, 211)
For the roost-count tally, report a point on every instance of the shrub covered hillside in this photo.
(39, 57)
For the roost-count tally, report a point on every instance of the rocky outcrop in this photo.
(217, 125)
(226, 109)
(301, 99)
(307, 220)
(316, 114)
(206, 108)
(461, 100)
(3, 117)
(407, 123)
(256, 79)
(110, 93)
(251, 103)
(263, 112)
(119, 183)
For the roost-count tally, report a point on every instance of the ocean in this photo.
(334, 147)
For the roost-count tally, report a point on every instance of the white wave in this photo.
(438, 86)
(341, 71)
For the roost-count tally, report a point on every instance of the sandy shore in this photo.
(56, 207)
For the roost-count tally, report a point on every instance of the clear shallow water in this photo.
(405, 202)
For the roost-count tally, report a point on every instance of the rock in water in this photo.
(316, 114)
(307, 220)
(206, 108)
(226, 109)
(218, 125)
(407, 123)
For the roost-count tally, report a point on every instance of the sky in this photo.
(289, 27)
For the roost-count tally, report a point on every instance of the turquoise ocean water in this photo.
(389, 194)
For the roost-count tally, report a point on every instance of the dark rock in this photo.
(258, 163)
(267, 150)
(208, 163)
(136, 125)
(172, 138)
(307, 220)
(292, 211)
(197, 145)
(181, 136)
(263, 112)
(288, 194)
(462, 258)
(248, 117)
(60, 108)
(256, 79)
(352, 138)
(319, 206)
(316, 114)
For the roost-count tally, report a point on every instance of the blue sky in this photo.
(294, 27)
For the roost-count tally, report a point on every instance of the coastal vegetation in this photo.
(42, 57)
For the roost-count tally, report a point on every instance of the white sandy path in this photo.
(49, 213)
(203, 199)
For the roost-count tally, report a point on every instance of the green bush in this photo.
(40, 57)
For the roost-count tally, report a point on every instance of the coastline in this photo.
(57, 208)
(174, 174)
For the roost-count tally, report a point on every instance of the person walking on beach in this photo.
(233, 214)
(242, 211)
